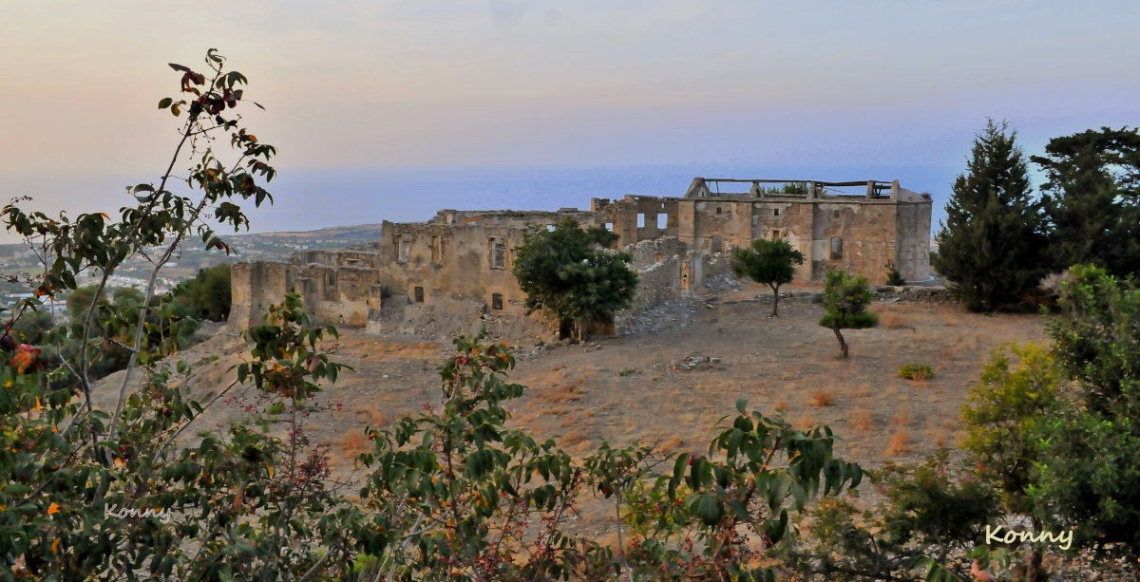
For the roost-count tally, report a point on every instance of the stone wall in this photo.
(453, 272)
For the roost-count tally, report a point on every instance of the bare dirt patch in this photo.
(630, 388)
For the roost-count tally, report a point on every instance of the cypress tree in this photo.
(991, 245)
(1092, 199)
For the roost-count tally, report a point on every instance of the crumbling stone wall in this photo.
(453, 272)
(856, 233)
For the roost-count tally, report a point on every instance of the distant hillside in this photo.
(16, 259)
(352, 234)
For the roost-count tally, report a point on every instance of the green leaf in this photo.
(163, 104)
(708, 508)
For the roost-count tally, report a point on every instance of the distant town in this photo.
(18, 262)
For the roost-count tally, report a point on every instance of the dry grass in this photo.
(821, 398)
(894, 321)
(863, 421)
(671, 444)
(940, 438)
(371, 414)
(899, 443)
(374, 348)
(560, 394)
(572, 438)
(354, 443)
(806, 422)
(901, 418)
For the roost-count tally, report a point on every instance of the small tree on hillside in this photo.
(771, 262)
(846, 299)
(571, 272)
(991, 245)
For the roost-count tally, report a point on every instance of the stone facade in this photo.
(446, 275)
(856, 233)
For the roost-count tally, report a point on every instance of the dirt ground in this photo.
(638, 387)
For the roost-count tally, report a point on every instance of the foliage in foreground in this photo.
(456, 492)
(932, 512)
(453, 492)
(1086, 477)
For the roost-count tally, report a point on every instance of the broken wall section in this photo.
(669, 275)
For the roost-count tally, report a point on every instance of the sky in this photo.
(392, 109)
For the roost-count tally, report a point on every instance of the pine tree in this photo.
(1092, 202)
(991, 245)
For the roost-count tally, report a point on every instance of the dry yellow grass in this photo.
(821, 398)
(899, 443)
(572, 438)
(671, 444)
(371, 414)
(354, 443)
(863, 420)
(940, 438)
(806, 422)
(894, 321)
(560, 394)
(901, 418)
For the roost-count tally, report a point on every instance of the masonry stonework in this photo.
(446, 275)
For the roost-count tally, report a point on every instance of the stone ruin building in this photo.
(452, 272)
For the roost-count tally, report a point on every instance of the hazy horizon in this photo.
(542, 104)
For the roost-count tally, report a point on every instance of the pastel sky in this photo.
(356, 90)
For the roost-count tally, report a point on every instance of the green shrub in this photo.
(894, 277)
(913, 371)
(863, 320)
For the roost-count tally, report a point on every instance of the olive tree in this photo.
(571, 272)
(769, 262)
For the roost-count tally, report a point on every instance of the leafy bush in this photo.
(932, 512)
(207, 295)
(572, 273)
(913, 371)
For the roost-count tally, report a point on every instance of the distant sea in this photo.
(313, 199)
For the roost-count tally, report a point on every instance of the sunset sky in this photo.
(482, 104)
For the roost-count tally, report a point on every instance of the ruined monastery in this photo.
(445, 275)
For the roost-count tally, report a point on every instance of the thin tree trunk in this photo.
(842, 342)
(775, 301)
(1035, 572)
